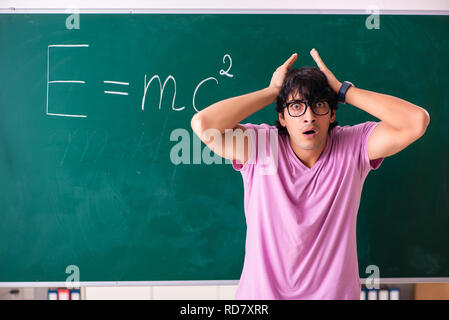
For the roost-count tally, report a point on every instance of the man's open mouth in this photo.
(310, 132)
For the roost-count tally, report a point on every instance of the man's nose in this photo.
(309, 116)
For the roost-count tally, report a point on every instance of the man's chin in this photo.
(309, 144)
(306, 144)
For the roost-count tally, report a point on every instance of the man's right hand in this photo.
(279, 75)
(225, 117)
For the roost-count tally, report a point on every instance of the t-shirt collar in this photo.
(298, 163)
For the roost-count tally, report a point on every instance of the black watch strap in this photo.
(342, 92)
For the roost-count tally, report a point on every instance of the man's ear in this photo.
(281, 118)
(333, 114)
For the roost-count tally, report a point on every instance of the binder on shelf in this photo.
(75, 295)
(384, 294)
(395, 294)
(63, 294)
(52, 295)
(372, 294)
(363, 294)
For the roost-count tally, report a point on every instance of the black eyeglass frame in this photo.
(307, 105)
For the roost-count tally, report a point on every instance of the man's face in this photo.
(296, 126)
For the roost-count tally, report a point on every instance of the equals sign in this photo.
(117, 92)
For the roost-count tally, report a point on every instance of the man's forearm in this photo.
(226, 114)
(396, 112)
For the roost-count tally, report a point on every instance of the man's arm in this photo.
(224, 117)
(219, 123)
(401, 123)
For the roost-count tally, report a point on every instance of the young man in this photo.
(301, 217)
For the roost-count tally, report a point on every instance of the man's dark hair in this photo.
(311, 84)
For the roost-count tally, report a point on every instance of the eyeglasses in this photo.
(297, 108)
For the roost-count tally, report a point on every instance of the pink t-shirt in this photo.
(301, 222)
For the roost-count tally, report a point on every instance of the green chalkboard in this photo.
(87, 142)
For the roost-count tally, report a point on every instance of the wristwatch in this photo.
(342, 92)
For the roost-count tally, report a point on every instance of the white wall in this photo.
(232, 4)
(161, 293)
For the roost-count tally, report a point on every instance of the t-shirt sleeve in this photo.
(236, 164)
(366, 128)
(253, 131)
(360, 134)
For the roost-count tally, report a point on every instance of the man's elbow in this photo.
(195, 123)
(424, 120)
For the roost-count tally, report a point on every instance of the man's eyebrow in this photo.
(299, 98)
(293, 98)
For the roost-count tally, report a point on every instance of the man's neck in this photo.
(308, 157)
